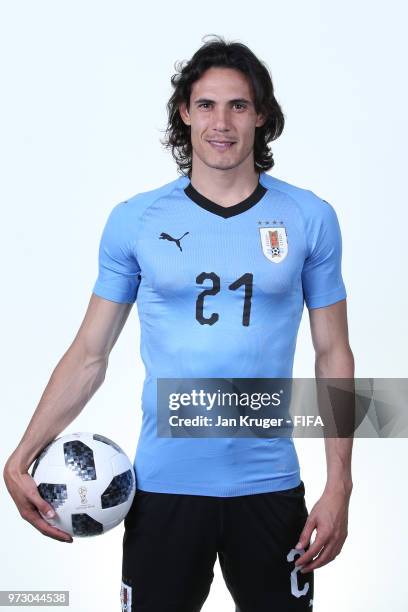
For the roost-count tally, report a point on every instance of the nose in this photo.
(220, 119)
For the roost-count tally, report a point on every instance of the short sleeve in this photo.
(118, 277)
(321, 275)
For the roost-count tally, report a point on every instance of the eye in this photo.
(203, 104)
(243, 106)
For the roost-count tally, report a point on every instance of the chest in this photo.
(182, 256)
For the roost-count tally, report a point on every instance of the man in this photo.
(221, 261)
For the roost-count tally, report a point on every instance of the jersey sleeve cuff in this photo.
(326, 299)
(112, 294)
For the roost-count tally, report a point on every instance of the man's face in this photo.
(222, 117)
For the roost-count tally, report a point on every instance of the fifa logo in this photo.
(82, 492)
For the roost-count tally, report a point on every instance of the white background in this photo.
(84, 87)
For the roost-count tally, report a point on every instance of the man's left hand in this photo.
(329, 516)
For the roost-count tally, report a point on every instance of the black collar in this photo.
(225, 211)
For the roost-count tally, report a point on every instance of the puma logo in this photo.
(164, 236)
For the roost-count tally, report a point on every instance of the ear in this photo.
(184, 114)
(260, 120)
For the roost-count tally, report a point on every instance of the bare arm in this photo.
(77, 376)
(334, 359)
(329, 516)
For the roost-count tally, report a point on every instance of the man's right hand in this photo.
(76, 377)
(30, 504)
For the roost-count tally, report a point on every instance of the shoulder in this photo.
(135, 205)
(125, 217)
(320, 222)
(307, 201)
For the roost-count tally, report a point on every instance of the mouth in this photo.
(221, 145)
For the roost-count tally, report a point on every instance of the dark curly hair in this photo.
(231, 54)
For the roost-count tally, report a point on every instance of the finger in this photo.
(41, 509)
(45, 528)
(313, 550)
(306, 534)
(41, 505)
(333, 546)
(44, 508)
(324, 557)
(50, 526)
(51, 532)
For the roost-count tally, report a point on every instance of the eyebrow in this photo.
(234, 101)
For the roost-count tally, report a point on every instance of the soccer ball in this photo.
(88, 480)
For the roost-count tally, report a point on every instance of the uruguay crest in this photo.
(274, 243)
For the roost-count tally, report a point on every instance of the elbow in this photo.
(337, 362)
(93, 364)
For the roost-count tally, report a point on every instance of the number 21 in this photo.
(246, 280)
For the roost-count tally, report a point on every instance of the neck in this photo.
(224, 187)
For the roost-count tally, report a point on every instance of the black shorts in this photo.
(171, 543)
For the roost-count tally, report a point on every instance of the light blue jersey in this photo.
(220, 293)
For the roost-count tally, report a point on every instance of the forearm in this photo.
(339, 365)
(338, 459)
(73, 382)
